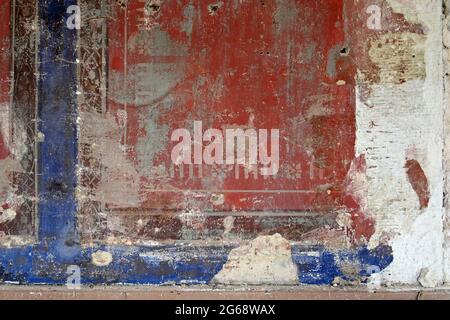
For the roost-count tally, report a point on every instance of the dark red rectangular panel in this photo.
(197, 66)
(253, 65)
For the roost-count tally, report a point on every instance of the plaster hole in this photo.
(345, 51)
(152, 9)
(214, 8)
(122, 3)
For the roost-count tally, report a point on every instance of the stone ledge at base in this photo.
(214, 293)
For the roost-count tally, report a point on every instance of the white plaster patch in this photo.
(218, 199)
(102, 258)
(15, 241)
(265, 260)
(228, 224)
(7, 216)
(5, 123)
(410, 8)
(394, 119)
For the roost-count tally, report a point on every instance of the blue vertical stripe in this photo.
(57, 122)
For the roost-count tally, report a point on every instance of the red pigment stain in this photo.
(418, 181)
(362, 227)
(4, 152)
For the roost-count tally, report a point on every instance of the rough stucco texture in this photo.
(115, 157)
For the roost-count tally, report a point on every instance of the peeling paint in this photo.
(119, 187)
(399, 57)
(394, 116)
(265, 260)
(418, 181)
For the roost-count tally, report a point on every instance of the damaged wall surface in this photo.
(241, 142)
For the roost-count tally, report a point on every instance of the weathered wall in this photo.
(357, 92)
(405, 150)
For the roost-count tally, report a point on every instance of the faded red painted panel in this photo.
(5, 59)
(17, 121)
(284, 65)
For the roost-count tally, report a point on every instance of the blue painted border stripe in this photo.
(57, 113)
